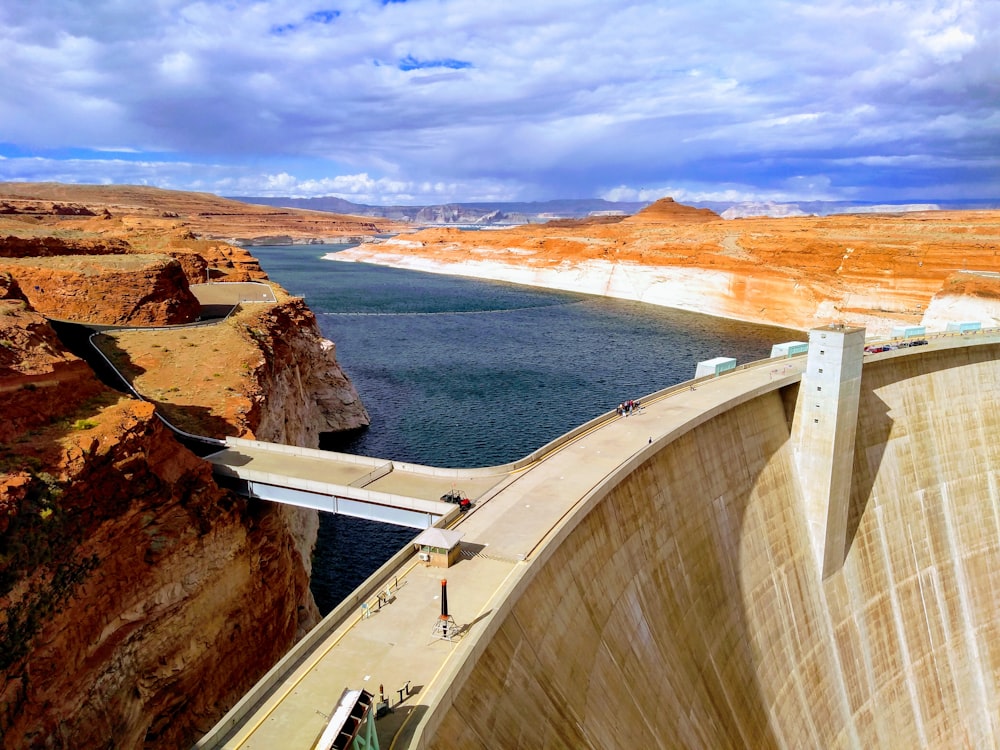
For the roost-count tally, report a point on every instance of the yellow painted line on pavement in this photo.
(314, 662)
(399, 732)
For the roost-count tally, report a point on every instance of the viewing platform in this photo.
(378, 490)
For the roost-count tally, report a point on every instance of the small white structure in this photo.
(965, 326)
(715, 366)
(789, 349)
(905, 332)
(439, 547)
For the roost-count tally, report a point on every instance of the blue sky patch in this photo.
(319, 16)
(323, 16)
(411, 63)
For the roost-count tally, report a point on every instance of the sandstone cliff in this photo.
(138, 600)
(107, 289)
(39, 380)
(299, 373)
(264, 372)
(965, 296)
(875, 271)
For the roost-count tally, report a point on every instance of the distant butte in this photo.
(669, 211)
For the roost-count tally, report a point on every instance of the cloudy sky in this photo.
(428, 101)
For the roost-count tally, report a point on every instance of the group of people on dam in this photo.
(628, 407)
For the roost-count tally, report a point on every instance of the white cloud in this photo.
(796, 188)
(949, 44)
(565, 97)
(178, 68)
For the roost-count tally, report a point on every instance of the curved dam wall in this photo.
(684, 606)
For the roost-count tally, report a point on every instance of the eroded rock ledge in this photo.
(138, 600)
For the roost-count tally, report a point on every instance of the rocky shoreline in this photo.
(873, 271)
(693, 290)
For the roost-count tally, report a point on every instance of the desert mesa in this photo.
(872, 270)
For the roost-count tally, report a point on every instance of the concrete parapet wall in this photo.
(682, 606)
(377, 473)
(586, 427)
(271, 682)
(294, 450)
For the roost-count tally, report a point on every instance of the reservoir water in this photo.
(463, 372)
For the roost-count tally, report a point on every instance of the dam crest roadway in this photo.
(691, 575)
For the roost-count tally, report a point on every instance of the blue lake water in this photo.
(462, 372)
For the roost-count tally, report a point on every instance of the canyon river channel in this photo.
(462, 372)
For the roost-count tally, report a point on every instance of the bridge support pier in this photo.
(823, 432)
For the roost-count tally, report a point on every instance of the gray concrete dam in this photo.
(674, 596)
(686, 609)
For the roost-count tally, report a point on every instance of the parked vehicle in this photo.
(456, 497)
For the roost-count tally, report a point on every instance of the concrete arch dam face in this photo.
(686, 608)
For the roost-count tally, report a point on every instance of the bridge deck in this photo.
(330, 470)
(381, 490)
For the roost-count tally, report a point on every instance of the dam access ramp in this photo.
(381, 490)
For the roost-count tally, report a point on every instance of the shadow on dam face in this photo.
(685, 608)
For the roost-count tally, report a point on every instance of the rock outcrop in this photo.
(13, 246)
(126, 290)
(668, 211)
(302, 390)
(965, 297)
(39, 380)
(138, 599)
(265, 372)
